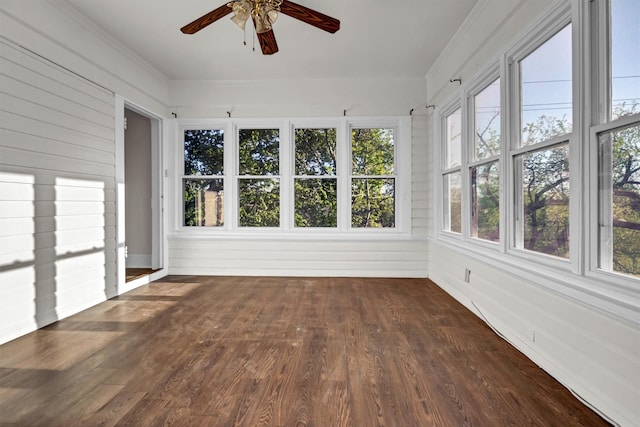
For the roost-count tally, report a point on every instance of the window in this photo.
(315, 180)
(619, 190)
(452, 173)
(203, 179)
(372, 180)
(295, 177)
(258, 177)
(485, 169)
(563, 151)
(540, 151)
(618, 143)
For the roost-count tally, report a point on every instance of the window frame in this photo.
(442, 154)
(352, 177)
(479, 83)
(314, 124)
(237, 177)
(598, 25)
(550, 25)
(182, 176)
(594, 268)
(401, 126)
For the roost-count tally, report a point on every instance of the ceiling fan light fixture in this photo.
(262, 23)
(263, 12)
(272, 15)
(241, 11)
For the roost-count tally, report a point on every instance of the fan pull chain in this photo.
(244, 36)
(254, 39)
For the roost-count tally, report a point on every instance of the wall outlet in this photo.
(467, 275)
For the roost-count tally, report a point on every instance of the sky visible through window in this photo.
(547, 90)
(625, 55)
(546, 85)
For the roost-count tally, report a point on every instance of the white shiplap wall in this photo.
(57, 192)
(420, 174)
(336, 258)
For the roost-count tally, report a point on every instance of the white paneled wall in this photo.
(421, 171)
(338, 258)
(57, 193)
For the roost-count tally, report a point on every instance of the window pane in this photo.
(203, 202)
(372, 151)
(620, 186)
(485, 202)
(545, 200)
(487, 121)
(452, 206)
(259, 151)
(546, 90)
(373, 202)
(315, 151)
(625, 61)
(203, 152)
(454, 139)
(259, 202)
(316, 202)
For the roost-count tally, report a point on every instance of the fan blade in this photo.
(207, 19)
(310, 16)
(268, 42)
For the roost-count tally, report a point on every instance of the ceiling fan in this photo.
(263, 13)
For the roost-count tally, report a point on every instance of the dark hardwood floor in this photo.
(225, 351)
(136, 273)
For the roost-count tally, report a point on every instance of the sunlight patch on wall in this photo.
(79, 242)
(17, 244)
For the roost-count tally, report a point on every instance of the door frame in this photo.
(158, 229)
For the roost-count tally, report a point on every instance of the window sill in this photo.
(280, 235)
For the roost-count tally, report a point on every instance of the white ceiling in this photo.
(378, 39)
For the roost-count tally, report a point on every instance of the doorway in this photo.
(142, 195)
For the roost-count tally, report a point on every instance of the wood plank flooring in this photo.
(238, 351)
(136, 273)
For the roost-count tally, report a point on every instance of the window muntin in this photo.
(543, 205)
(624, 59)
(619, 196)
(485, 201)
(315, 180)
(203, 178)
(258, 177)
(546, 90)
(487, 135)
(373, 179)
